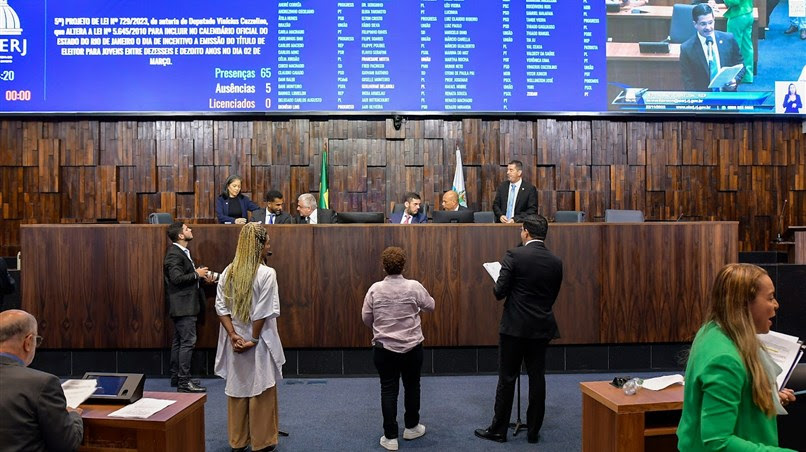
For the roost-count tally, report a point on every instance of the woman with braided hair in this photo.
(249, 355)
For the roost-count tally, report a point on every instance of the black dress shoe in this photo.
(175, 382)
(239, 449)
(492, 436)
(267, 449)
(190, 387)
(532, 439)
(791, 29)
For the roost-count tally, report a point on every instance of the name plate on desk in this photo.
(116, 387)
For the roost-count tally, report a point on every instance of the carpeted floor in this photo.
(322, 414)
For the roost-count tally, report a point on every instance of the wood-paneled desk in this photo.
(615, 422)
(179, 427)
(101, 286)
(657, 71)
(796, 238)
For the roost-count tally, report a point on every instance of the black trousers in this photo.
(182, 346)
(512, 351)
(391, 368)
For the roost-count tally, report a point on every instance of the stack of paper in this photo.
(785, 350)
(77, 391)
(142, 409)
(493, 269)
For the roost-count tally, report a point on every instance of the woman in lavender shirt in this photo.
(392, 309)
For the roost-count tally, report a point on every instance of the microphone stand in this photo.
(779, 238)
(518, 425)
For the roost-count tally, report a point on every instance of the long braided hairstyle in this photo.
(241, 274)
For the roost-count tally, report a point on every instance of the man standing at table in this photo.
(32, 403)
(185, 300)
(310, 214)
(514, 198)
(530, 280)
(273, 213)
(411, 213)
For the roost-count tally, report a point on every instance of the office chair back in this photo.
(569, 216)
(485, 216)
(624, 216)
(682, 26)
(160, 218)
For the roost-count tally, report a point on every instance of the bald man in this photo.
(450, 201)
(32, 403)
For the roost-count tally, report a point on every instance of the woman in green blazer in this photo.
(731, 399)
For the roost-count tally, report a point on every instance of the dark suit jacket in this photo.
(182, 286)
(222, 207)
(283, 218)
(323, 216)
(792, 107)
(397, 217)
(694, 66)
(525, 203)
(530, 280)
(34, 411)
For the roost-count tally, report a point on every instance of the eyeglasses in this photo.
(38, 340)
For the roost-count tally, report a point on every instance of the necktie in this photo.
(511, 201)
(187, 253)
(307, 220)
(271, 219)
(712, 65)
(408, 219)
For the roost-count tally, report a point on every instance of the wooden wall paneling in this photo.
(263, 143)
(619, 186)
(202, 134)
(337, 129)
(145, 169)
(9, 236)
(453, 137)
(608, 142)
(175, 165)
(375, 150)
(48, 165)
(355, 172)
(32, 132)
(761, 151)
(390, 133)
(635, 145)
(545, 140)
(435, 170)
(415, 129)
(184, 208)
(491, 145)
(11, 140)
(728, 165)
(491, 176)
(338, 194)
(432, 128)
(274, 177)
(473, 138)
(637, 187)
(301, 182)
(396, 171)
(205, 190)
(106, 192)
(693, 142)
(165, 130)
(301, 150)
(126, 207)
(656, 208)
(474, 194)
(583, 199)
(41, 208)
(601, 185)
(11, 192)
(79, 142)
(656, 165)
(376, 190)
(565, 201)
(413, 181)
(545, 180)
(797, 177)
(117, 143)
(233, 156)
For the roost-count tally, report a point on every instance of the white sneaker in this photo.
(389, 444)
(414, 433)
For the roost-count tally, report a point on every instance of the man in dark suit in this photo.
(273, 213)
(35, 413)
(530, 280)
(185, 300)
(310, 214)
(702, 55)
(412, 212)
(450, 201)
(515, 198)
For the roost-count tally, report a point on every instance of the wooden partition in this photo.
(101, 286)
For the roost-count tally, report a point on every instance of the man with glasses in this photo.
(35, 413)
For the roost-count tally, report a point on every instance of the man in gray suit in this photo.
(185, 300)
(35, 413)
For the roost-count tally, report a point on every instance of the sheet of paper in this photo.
(725, 75)
(142, 409)
(785, 350)
(493, 269)
(77, 391)
(658, 383)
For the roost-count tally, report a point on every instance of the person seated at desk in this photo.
(411, 213)
(310, 214)
(792, 102)
(731, 397)
(273, 213)
(232, 206)
(450, 201)
(35, 413)
(702, 55)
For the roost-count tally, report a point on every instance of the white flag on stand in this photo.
(459, 180)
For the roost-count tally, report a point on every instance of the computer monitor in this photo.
(453, 216)
(360, 217)
(116, 387)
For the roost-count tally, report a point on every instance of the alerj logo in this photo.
(10, 26)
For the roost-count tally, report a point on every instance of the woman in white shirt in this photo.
(249, 355)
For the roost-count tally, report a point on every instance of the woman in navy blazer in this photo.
(792, 102)
(231, 206)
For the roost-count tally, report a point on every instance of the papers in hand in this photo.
(658, 383)
(726, 75)
(785, 350)
(77, 391)
(142, 409)
(493, 268)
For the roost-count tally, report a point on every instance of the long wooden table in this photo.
(179, 427)
(101, 286)
(615, 422)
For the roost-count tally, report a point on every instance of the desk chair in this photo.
(485, 216)
(569, 216)
(160, 218)
(682, 26)
(624, 216)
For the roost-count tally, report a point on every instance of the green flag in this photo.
(324, 197)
